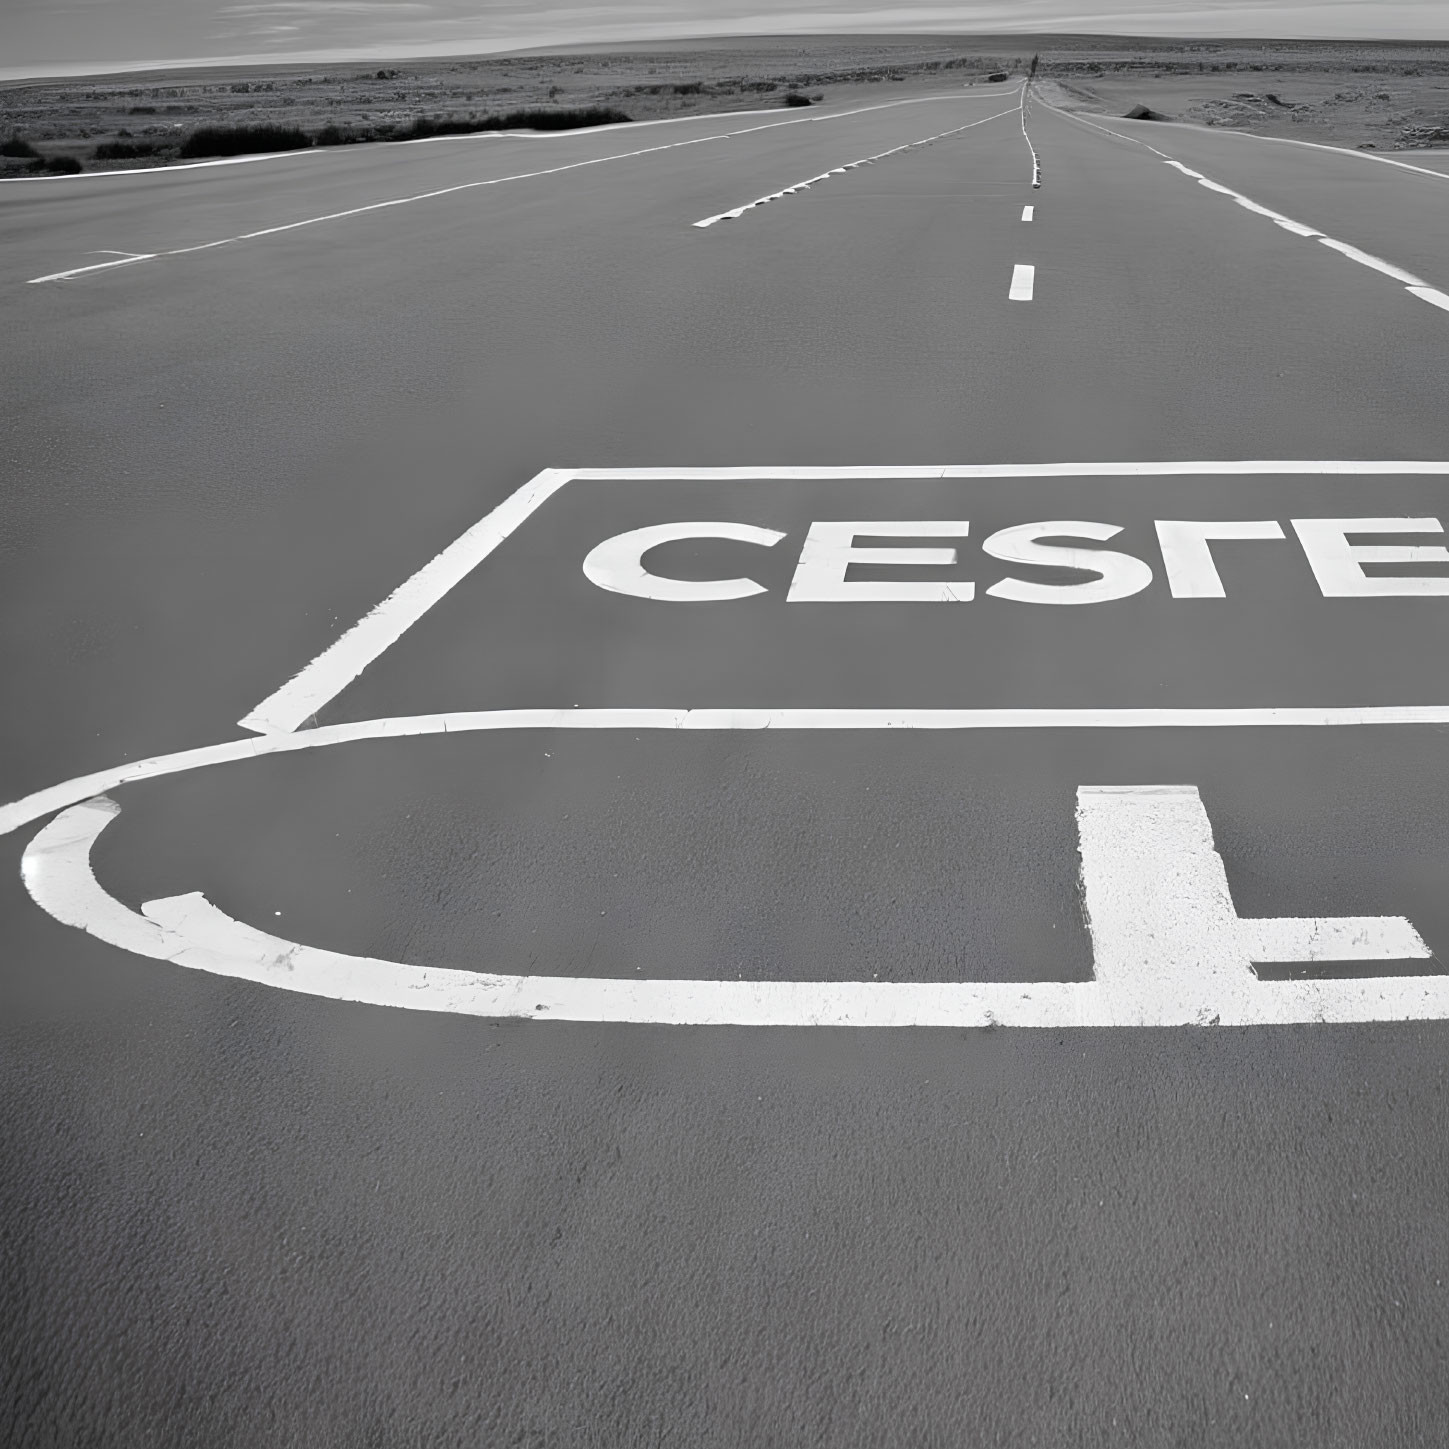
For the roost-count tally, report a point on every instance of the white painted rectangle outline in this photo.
(319, 682)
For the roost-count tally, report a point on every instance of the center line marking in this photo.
(1023, 280)
(1028, 212)
(736, 212)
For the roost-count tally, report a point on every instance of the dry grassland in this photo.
(1388, 96)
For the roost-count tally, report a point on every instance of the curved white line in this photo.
(189, 931)
(70, 792)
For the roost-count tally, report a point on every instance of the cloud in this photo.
(66, 37)
(324, 7)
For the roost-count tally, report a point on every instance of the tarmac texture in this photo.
(249, 401)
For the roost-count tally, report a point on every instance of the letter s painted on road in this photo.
(617, 564)
(1119, 575)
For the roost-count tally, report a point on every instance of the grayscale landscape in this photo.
(729, 742)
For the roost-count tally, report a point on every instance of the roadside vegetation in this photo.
(211, 141)
(240, 141)
(22, 156)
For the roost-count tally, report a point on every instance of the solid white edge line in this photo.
(517, 135)
(1315, 146)
(1432, 296)
(346, 657)
(71, 792)
(94, 267)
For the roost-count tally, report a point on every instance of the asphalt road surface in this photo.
(672, 975)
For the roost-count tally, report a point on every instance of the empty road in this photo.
(773, 779)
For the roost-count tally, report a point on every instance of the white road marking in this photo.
(1331, 938)
(1337, 564)
(176, 166)
(299, 699)
(342, 661)
(1337, 150)
(1365, 259)
(494, 181)
(1168, 949)
(486, 136)
(1028, 212)
(617, 564)
(736, 212)
(1035, 160)
(1119, 575)
(1023, 283)
(1432, 296)
(83, 787)
(830, 550)
(1191, 572)
(1416, 286)
(125, 261)
(1168, 945)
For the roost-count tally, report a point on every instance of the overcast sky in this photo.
(60, 36)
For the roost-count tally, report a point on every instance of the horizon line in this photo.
(78, 70)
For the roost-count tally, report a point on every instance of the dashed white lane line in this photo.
(736, 212)
(1023, 283)
(1432, 296)
(320, 681)
(1416, 286)
(1028, 212)
(1336, 150)
(490, 181)
(1168, 949)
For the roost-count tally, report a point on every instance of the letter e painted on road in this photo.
(1119, 575)
(1191, 572)
(617, 564)
(830, 549)
(1338, 564)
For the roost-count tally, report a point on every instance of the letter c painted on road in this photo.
(617, 564)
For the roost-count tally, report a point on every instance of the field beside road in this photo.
(1388, 96)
